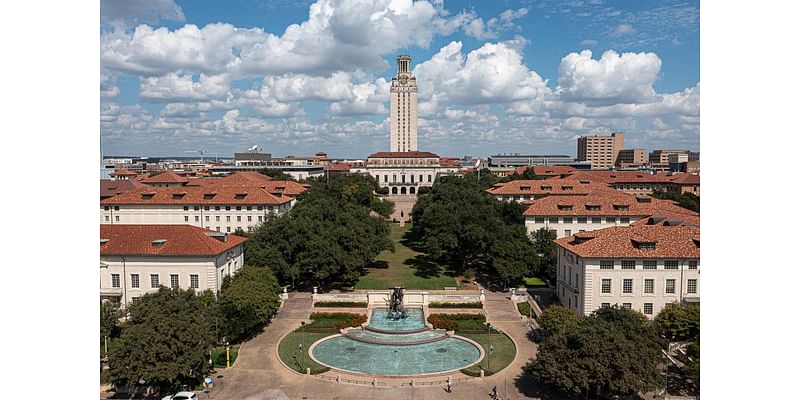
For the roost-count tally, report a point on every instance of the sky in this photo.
(298, 77)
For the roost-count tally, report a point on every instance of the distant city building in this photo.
(601, 151)
(685, 183)
(642, 268)
(403, 108)
(138, 259)
(628, 157)
(662, 156)
(251, 158)
(521, 160)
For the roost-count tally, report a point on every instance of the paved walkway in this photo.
(259, 375)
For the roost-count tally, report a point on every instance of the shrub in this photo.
(442, 323)
(466, 323)
(525, 309)
(437, 304)
(332, 322)
(352, 304)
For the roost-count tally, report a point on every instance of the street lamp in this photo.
(302, 340)
(227, 354)
(489, 339)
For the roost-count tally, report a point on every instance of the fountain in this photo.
(395, 304)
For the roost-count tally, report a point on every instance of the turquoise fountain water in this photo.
(404, 346)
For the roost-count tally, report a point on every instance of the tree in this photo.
(165, 342)
(557, 319)
(249, 301)
(512, 255)
(109, 318)
(681, 321)
(689, 201)
(601, 354)
(692, 368)
(547, 253)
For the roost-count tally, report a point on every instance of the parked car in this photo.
(181, 396)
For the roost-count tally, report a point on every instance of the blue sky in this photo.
(297, 77)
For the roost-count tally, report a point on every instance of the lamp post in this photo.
(302, 341)
(489, 339)
(227, 354)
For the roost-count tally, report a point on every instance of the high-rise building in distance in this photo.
(403, 118)
(601, 151)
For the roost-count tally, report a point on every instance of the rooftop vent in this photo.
(221, 236)
(209, 196)
(643, 199)
(158, 242)
(673, 222)
(565, 207)
(593, 207)
(147, 196)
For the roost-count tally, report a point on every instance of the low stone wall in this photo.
(411, 298)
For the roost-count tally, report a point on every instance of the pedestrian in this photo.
(449, 390)
(494, 393)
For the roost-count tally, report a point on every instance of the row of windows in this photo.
(174, 281)
(646, 264)
(208, 208)
(582, 220)
(403, 178)
(649, 286)
(227, 218)
(646, 309)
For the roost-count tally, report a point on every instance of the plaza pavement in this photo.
(258, 374)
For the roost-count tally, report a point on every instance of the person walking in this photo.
(494, 393)
(449, 390)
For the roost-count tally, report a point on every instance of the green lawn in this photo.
(290, 354)
(406, 267)
(500, 358)
(533, 282)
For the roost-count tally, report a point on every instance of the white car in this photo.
(181, 396)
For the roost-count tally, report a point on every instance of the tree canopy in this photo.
(165, 342)
(681, 321)
(557, 319)
(613, 351)
(689, 201)
(248, 301)
(275, 174)
(464, 226)
(547, 253)
(330, 236)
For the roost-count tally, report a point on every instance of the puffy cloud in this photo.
(491, 29)
(614, 78)
(127, 13)
(623, 29)
(492, 73)
(290, 87)
(107, 86)
(175, 87)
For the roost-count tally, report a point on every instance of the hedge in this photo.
(352, 304)
(332, 322)
(468, 323)
(436, 304)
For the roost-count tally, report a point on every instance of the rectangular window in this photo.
(238, 218)
(692, 264)
(691, 286)
(606, 264)
(135, 281)
(627, 286)
(194, 281)
(581, 220)
(567, 232)
(611, 220)
(249, 218)
(606, 286)
(538, 220)
(227, 208)
(671, 264)
(173, 280)
(217, 229)
(567, 220)
(624, 220)
(626, 306)
(553, 220)
(228, 218)
(206, 208)
(207, 218)
(260, 218)
(154, 281)
(106, 208)
(216, 208)
(116, 218)
(596, 220)
(648, 286)
(670, 286)
(196, 218)
(605, 305)
(228, 229)
(649, 264)
(628, 264)
(197, 208)
(115, 280)
(260, 208)
(217, 218)
(107, 218)
(185, 218)
(249, 208)
(648, 308)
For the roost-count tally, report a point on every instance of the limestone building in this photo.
(403, 94)
(602, 151)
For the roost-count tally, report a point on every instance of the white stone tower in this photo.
(403, 118)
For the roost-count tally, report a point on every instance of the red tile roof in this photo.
(110, 187)
(178, 240)
(190, 195)
(609, 205)
(548, 187)
(546, 170)
(620, 242)
(610, 177)
(123, 172)
(685, 179)
(338, 167)
(252, 179)
(403, 154)
(165, 177)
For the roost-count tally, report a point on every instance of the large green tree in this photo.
(681, 321)
(547, 253)
(249, 301)
(613, 352)
(165, 342)
(557, 319)
(689, 201)
(328, 237)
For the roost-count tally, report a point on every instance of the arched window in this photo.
(403, 190)
(394, 190)
(412, 190)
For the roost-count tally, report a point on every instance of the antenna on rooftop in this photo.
(201, 152)
(254, 149)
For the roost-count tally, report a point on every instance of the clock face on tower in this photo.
(403, 79)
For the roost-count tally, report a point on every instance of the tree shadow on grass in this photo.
(425, 267)
(413, 242)
(377, 265)
(530, 387)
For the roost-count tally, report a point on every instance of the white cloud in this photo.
(491, 29)
(175, 87)
(623, 29)
(107, 86)
(291, 87)
(124, 13)
(614, 78)
(588, 42)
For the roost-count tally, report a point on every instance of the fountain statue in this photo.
(396, 309)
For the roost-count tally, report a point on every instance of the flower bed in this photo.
(436, 304)
(350, 304)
